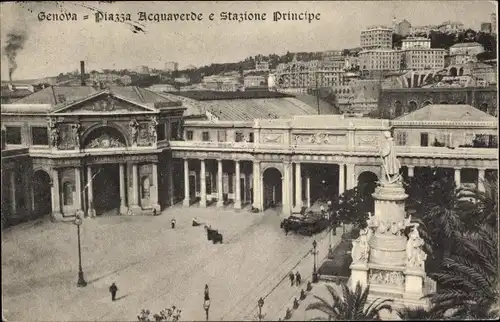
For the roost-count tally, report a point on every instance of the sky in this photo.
(52, 47)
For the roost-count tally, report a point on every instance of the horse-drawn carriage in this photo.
(214, 235)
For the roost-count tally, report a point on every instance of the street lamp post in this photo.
(260, 304)
(206, 303)
(81, 281)
(315, 272)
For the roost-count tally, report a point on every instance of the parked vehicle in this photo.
(308, 225)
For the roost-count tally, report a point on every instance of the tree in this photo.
(418, 313)
(350, 305)
(469, 278)
(352, 208)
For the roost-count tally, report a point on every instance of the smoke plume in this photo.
(15, 43)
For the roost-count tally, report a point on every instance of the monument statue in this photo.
(54, 137)
(134, 130)
(360, 247)
(389, 160)
(415, 255)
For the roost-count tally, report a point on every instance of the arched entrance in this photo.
(453, 71)
(42, 194)
(367, 182)
(273, 192)
(412, 106)
(106, 188)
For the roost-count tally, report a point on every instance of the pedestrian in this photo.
(154, 211)
(113, 289)
(298, 278)
(172, 223)
(292, 277)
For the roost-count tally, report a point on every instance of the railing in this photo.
(402, 151)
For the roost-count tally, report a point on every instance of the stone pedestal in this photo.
(359, 273)
(388, 272)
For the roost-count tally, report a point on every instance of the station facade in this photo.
(127, 150)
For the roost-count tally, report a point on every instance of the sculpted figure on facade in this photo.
(134, 130)
(76, 134)
(415, 255)
(53, 132)
(152, 129)
(360, 248)
(389, 159)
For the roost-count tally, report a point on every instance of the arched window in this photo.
(68, 194)
(453, 71)
(145, 187)
(484, 107)
(461, 71)
(426, 103)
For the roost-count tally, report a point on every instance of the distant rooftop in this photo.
(211, 95)
(448, 113)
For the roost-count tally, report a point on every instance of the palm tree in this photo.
(468, 280)
(418, 313)
(350, 305)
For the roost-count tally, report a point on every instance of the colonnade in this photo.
(457, 175)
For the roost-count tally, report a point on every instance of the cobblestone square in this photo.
(153, 265)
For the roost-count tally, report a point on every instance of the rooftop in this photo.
(467, 44)
(211, 96)
(57, 97)
(448, 113)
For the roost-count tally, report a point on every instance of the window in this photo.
(221, 136)
(250, 138)
(239, 137)
(13, 135)
(68, 193)
(206, 136)
(174, 131)
(189, 135)
(160, 132)
(424, 139)
(401, 138)
(39, 135)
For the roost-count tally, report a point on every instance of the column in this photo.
(90, 193)
(480, 180)
(257, 194)
(287, 189)
(203, 184)
(341, 178)
(298, 186)
(56, 203)
(123, 185)
(457, 177)
(351, 179)
(411, 171)
(187, 197)
(78, 189)
(220, 197)
(170, 184)
(308, 191)
(154, 192)
(237, 197)
(135, 186)
(12, 191)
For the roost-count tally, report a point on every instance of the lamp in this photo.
(81, 281)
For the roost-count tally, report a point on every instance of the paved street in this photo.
(153, 266)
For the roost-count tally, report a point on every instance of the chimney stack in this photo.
(82, 72)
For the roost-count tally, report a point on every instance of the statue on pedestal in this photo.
(389, 160)
(360, 247)
(415, 255)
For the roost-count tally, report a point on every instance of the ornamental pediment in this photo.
(103, 104)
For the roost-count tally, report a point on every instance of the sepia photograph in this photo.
(249, 160)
